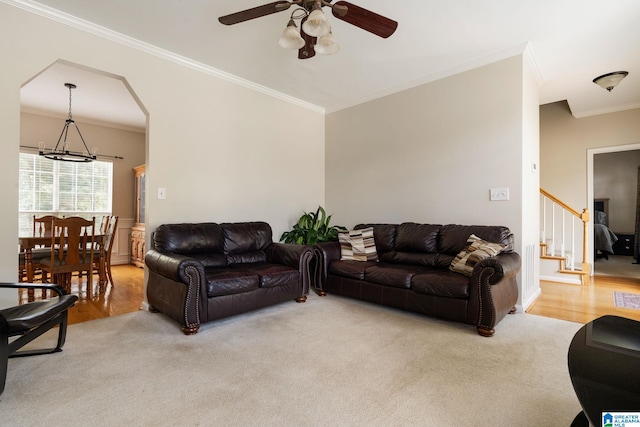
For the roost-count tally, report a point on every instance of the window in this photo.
(49, 187)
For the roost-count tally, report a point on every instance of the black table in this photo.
(604, 365)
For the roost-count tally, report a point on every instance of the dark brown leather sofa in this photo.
(207, 271)
(413, 273)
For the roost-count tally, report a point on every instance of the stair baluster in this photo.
(548, 245)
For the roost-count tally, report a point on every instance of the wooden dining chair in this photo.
(104, 224)
(107, 248)
(42, 227)
(72, 251)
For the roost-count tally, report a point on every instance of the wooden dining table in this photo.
(28, 243)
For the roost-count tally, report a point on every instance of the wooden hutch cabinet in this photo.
(138, 248)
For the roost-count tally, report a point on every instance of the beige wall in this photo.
(530, 218)
(615, 177)
(222, 151)
(431, 154)
(108, 140)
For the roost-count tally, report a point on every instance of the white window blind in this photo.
(49, 187)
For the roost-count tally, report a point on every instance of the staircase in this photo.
(559, 239)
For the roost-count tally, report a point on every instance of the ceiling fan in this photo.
(315, 33)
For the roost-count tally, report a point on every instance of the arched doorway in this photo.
(112, 119)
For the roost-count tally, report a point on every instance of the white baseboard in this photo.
(526, 304)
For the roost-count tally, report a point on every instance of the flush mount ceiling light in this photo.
(610, 80)
(314, 35)
(61, 150)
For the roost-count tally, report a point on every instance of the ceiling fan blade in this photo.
(255, 12)
(365, 19)
(307, 51)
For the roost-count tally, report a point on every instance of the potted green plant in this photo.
(312, 228)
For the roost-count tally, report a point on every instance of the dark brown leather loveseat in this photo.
(206, 271)
(412, 273)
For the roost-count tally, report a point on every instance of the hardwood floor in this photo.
(585, 303)
(124, 296)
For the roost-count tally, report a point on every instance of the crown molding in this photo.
(606, 110)
(114, 36)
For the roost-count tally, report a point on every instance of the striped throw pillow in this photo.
(476, 250)
(358, 245)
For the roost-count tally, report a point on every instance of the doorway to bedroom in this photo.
(613, 187)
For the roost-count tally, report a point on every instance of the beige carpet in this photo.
(328, 362)
(617, 265)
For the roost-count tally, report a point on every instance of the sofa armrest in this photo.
(171, 265)
(505, 266)
(286, 253)
(296, 256)
(494, 285)
(176, 287)
(324, 253)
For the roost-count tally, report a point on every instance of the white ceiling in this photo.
(571, 42)
(98, 97)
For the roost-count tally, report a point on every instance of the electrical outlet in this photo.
(499, 194)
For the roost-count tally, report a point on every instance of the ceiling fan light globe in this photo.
(316, 24)
(327, 45)
(290, 38)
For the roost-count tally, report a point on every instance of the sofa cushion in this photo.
(414, 237)
(357, 245)
(271, 275)
(227, 281)
(210, 260)
(393, 275)
(247, 257)
(242, 237)
(384, 236)
(476, 251)
(189, 239)
(417, 258)
(442, 283)
(453, 238)
(350, 269)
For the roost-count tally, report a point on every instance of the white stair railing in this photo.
(558, 239)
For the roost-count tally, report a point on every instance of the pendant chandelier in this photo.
(61, 150)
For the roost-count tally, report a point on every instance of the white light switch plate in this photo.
(499, 194)
(162, 193)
